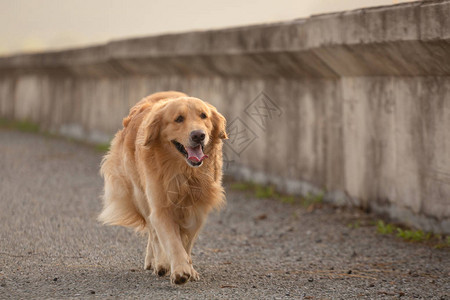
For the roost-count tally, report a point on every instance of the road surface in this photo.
(51, 245)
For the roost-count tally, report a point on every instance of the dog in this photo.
(163, 175)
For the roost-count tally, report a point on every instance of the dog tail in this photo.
(118, 205)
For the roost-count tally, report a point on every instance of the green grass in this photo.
(311, 199)
(354, 225)
(411, 235)
(383, 228)
(260, 191)
(102, 147)
(444, 243)
(24, 126)
(265, 191)
(287, 199)
(242, 186)
(269, 191)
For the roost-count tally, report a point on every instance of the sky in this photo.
(40, 25)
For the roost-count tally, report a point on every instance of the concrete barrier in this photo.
(356, 104)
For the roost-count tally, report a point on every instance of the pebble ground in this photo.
(51, 245)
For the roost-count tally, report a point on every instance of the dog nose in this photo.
(198, 136)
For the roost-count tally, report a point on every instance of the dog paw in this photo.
(149, 262)
(195, 276)
(148, 266)
(161, 271)
(183, 273)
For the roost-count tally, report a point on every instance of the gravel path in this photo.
(52, 247)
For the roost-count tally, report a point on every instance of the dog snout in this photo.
(198, 136)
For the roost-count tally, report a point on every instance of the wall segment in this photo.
(356, 103)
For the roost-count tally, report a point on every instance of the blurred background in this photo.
(29, 26)
(337, 162)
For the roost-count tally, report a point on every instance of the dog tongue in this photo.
(196, 153)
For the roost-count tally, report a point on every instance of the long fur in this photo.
(142, 174)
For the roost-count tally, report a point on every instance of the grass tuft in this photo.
(354, 225)
(411, 235)
(383, 228)
(242, 186)
(24, 126)
(287, 199)
(264, 191)
(102, 147)
(310, 201)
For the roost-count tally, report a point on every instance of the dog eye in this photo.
(179, 119)
(203, 115)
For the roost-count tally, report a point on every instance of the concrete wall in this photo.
(356, 104)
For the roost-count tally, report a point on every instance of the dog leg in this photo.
(189, 240)
(168, 233)
(149, 258)
(191, 235)
(160, 262)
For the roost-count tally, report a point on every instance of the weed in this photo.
(102, 147)
(373, 223)
(383, 228)
(311, 199)
(260, 191)
(287, 199)
(443, 243)
(269, 191)
(355, 225)
(27, 127)
(264, 191)
(24, 126)
(413, 235)
(242, 186)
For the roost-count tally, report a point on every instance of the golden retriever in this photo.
(163, 175)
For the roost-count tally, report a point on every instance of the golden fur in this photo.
(151, 187)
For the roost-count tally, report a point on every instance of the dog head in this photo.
(188, 124)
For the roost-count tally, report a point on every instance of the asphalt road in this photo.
(51, 245)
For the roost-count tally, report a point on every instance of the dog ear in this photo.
(152, 124)
(219, 124)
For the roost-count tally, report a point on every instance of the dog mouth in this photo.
(194, 155)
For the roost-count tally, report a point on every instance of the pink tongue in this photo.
(196, 153)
